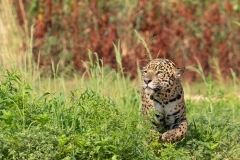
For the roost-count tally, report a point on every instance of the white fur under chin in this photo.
(148, 91)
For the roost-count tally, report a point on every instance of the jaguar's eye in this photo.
(159, 72)
(144, 72)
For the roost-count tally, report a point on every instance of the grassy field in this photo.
(99, 117)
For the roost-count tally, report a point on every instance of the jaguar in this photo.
(162, 93)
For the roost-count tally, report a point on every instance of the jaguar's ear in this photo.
(179, 72)
(142, 68)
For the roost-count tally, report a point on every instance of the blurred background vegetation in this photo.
(185, 31)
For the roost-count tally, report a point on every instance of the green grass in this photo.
(101, 119)
(80, 125)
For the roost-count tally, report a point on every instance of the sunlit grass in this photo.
(100, 118)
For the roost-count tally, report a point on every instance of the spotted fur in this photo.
(162, 92)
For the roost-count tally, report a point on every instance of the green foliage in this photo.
(84, 124)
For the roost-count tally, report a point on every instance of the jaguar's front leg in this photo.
(159, 116)
(158, 122)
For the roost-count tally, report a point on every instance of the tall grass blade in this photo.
(144, 44)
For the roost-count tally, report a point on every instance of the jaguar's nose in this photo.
(147, 80)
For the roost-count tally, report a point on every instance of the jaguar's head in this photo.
(159, 75)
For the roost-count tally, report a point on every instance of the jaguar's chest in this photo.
(170, 109)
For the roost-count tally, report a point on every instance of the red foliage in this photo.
(176, 31)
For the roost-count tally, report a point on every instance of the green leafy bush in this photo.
(83, 125)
